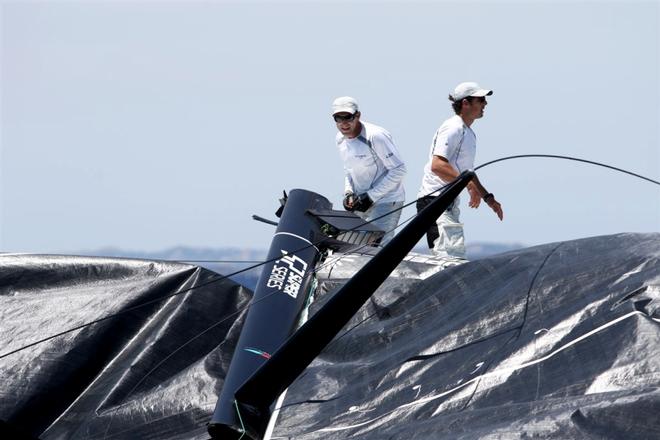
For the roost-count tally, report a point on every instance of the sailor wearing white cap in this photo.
(373, 167)
(452, 151)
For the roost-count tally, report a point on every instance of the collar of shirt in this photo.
(363, 133)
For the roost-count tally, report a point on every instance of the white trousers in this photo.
(450, 242)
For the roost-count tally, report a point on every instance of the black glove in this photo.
(349, 200)
(362, 202)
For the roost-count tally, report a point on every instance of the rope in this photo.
(320, 242)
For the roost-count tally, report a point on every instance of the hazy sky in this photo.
(146, 125)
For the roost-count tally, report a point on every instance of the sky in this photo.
(145, 125)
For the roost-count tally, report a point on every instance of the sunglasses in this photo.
(476, 98)
(342, 118)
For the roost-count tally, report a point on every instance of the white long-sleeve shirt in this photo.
(372, 164)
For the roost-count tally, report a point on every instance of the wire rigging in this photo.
(557, 156)
(220, 261)
(162, 298)
(320, 242)
(203, 332)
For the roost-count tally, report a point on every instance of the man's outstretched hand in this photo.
(494, 205)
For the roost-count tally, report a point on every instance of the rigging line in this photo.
(222, 277)
(404, 206)
(203, 332)
(556, 156)
(219, 261)
(367, 318)
(423, 357)
(477, 382)
(494, 373)
(309, 401)
(519, 156)
(162, 298)
(155, 300)
(247, 306)
(371, 316)
(121, 312)
(179, 348)
(519, 328)
(531, 285)
(419, 314)
(240, 419)
(355, 326)
(161, 362)
(222, 320)
(545, 156)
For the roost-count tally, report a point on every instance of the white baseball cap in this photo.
(465, 89)
(344, 104)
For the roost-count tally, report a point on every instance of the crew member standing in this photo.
(373, 168)
(452, 151)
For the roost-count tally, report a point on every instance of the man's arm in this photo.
(443, 169)
(478, 192)
(348, 183)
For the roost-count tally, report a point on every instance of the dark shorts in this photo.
(432, 234)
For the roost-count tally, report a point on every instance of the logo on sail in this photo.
(287, 274)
